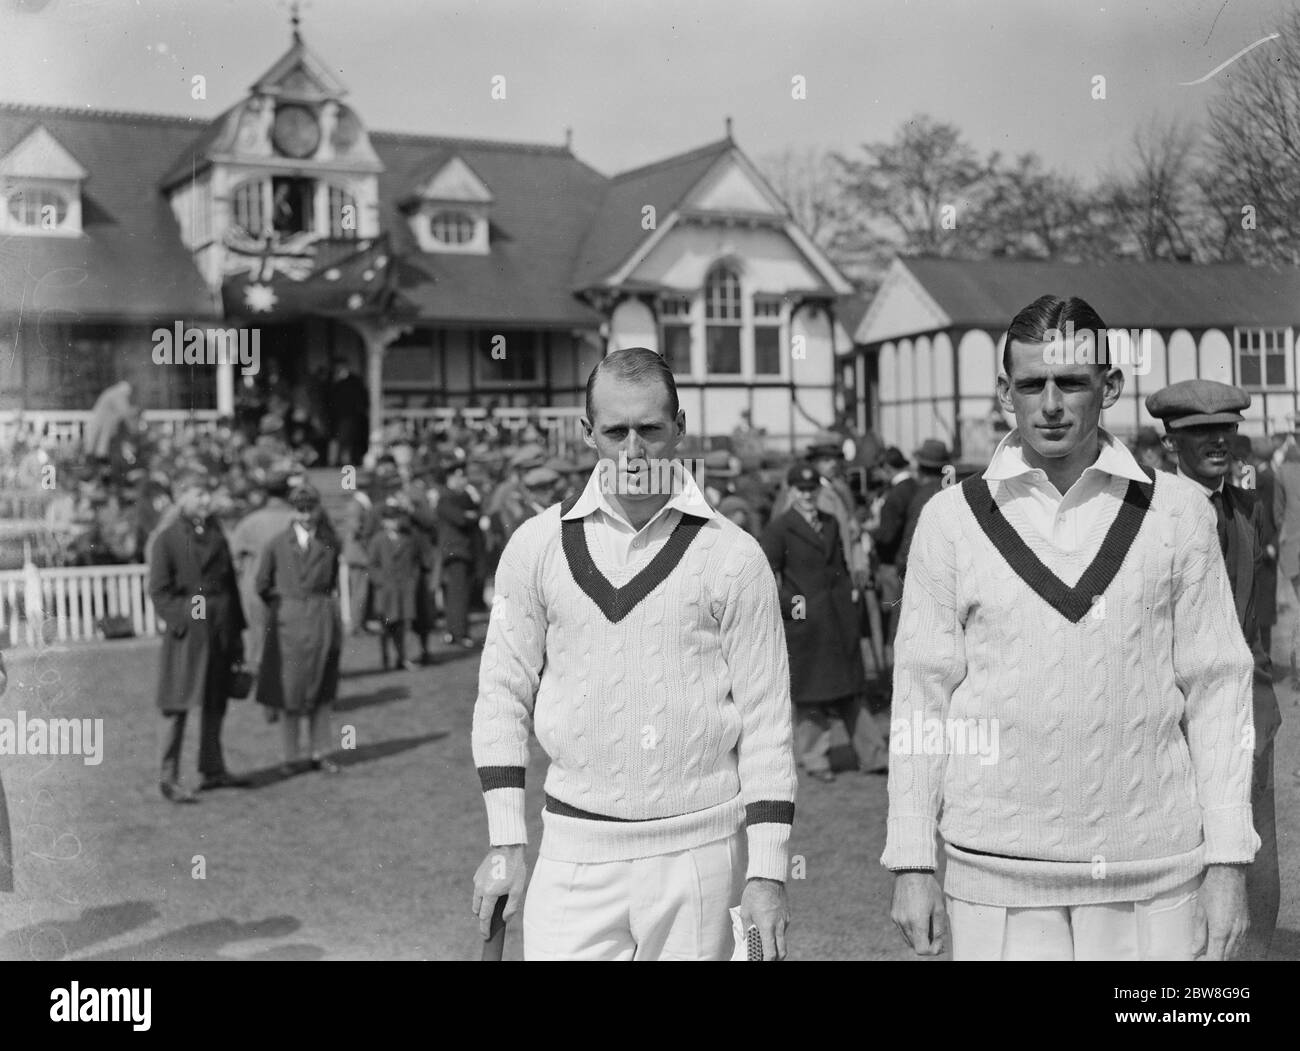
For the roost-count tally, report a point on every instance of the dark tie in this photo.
(1221, 516)
(816, 522)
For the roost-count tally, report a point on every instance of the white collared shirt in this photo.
(303, 534)
(1064, 520)
(613, 541)
(1208, 492)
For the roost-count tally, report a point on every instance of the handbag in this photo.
(241, 683)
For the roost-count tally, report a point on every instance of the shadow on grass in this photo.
(57, 938)
(383, 695)
(206, 940)
(1285, 945)
(273, 775)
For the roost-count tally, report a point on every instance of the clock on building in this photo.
(296, 132)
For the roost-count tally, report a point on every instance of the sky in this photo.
(639, 80)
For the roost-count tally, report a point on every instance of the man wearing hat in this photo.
(360, 521)
(931, 458)
(296, 579)
(247, 542)
(539, 489)
(195, 592)
(1072, 691)
(1201, 419)
(819, 610)
(397, 559)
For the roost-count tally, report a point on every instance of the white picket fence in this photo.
(71, 601)
(64, 427)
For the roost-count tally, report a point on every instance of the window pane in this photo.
(452, 228)
(676, 345)
(1276, 365)
(343, 213)
(292, 204)
(722, 296)
(767, 350)
(1249, 370)
(37, 207)
(724, 349)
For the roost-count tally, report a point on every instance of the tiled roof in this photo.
(1126, 294)
(130, 261)
(544, 199)
(617, 229)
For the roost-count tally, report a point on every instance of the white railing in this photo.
(561, 424)
(71, 601)
(65, 427)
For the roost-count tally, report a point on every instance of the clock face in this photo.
(296, 132)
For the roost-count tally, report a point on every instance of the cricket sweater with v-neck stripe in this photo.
(659, 690)
(1108, 688)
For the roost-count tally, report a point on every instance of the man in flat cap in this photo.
(194, 589)
(297, 578)
(1072, 691)
(539, 489)
(1201, 419)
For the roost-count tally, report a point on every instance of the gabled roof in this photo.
(40, 156)
(616, 231)
(299, 74)
(130, 261)
(988, 293)
(544, 200)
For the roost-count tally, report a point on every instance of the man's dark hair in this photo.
(894, 459)
(638, 364)
(1048, 313)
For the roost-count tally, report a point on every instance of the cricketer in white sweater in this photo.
(1119, 688)
(659, 690)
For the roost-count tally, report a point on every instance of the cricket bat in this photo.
(496, 939)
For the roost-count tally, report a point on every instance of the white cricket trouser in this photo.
(668, 907)
(1161, 928)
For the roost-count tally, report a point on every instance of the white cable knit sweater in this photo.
(1124, 725)
(667, 725)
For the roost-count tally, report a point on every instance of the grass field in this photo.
(375, 864)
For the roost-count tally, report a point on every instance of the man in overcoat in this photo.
(193, 588)
(820, 613)
(297, 581)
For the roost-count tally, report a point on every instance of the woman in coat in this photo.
(819, 608)
(299, 674)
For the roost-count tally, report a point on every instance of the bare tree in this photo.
(1252, 152)
(1155, 205)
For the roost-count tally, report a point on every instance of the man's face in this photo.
(632, 426)
(195, 501)
(1204, 451)
(457, 480)
(805, 500)
(306, 516)
(1057, 407)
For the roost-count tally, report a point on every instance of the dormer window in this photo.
(40, 187)
(449, 210)
(452, 228)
